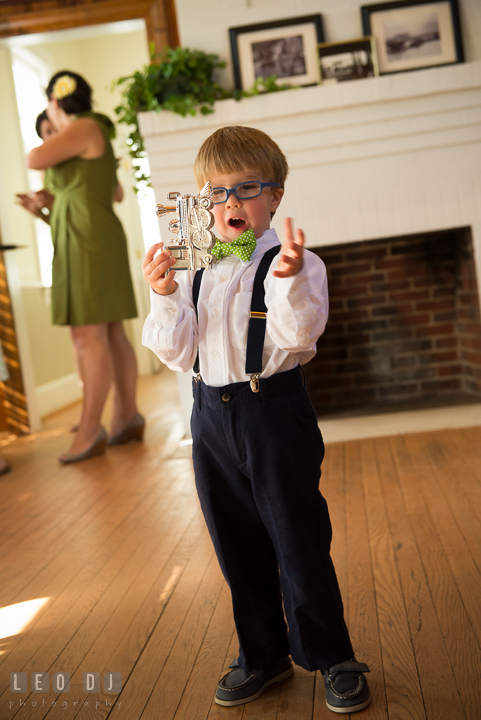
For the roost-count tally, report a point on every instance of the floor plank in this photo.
(363, 617)
(462, 648)
(403, 692)
(435, 674)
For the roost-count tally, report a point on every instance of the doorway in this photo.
(101, 53)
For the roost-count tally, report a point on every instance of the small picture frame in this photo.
(348, 60)
(414, 34)
(285, 48)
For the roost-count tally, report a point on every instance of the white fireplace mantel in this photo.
(375, 158)
(379, 157)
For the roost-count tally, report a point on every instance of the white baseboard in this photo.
(57, 394)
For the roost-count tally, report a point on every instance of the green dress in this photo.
(91, 280)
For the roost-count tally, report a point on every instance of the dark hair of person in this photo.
(38, 122)
(79, 101)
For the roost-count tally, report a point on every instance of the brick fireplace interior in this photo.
(404, 326)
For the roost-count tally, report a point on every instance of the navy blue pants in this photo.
(257, 460)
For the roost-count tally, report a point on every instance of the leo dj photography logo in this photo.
(40, 683)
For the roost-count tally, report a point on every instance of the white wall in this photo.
(205, 25)
(17, 226)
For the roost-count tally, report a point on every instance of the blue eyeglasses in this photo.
(242, 191)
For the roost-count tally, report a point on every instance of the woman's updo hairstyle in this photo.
(73, 93)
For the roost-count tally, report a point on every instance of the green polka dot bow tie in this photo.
(243, 246)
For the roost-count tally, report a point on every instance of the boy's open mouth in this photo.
(236, 223)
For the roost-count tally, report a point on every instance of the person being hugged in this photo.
(246, 326)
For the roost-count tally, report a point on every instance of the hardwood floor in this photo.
(118, 547)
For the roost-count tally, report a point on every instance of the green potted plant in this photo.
(180, 80)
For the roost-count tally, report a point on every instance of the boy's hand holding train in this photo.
(154, 269)
(290, 261)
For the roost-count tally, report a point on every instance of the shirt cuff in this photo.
(166, 309)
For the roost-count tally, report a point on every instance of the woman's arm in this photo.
(82, 138)
(33, 206)
(44, 198)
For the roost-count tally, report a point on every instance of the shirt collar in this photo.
(265, 242)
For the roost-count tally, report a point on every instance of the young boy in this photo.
(257, 449)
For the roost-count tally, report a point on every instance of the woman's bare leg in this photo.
(93, 352)
(125, 377)
(75, 426)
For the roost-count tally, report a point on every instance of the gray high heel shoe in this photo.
(97, 448)
(5, 466)
(132, 432)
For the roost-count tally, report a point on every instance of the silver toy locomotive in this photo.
(193, 223)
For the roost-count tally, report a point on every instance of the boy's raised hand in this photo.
(154, 268)
(290, 261)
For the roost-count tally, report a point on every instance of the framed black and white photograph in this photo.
(348, 60)
(414, 34)
(285, 48)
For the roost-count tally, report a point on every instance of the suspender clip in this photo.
(197, 378)
(255, 382)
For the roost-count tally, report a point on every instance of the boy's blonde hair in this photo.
(235, 148)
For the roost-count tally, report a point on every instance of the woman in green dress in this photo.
(91, 284)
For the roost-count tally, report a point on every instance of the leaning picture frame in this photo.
(348, 60)
(285, 48)
(414, 34)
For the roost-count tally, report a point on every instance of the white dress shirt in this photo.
(297, 310)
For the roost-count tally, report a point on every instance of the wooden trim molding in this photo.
(12, 391)
(18, 17)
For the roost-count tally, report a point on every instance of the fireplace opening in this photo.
(404, 328)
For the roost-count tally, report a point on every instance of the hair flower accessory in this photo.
(64, 86)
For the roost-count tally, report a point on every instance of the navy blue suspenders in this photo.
(257, 322)
(195, 300)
